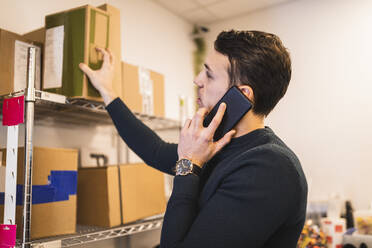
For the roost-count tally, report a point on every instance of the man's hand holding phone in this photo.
(196, 141)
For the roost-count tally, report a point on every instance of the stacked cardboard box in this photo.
(37, 35)
(143, 90)
(53, 193)
(115, 44)
(334, 229)
(71, 38)
(84, 27)
(98, 197)
(13, 62)
(142, 194)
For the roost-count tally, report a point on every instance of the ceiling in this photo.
(210, 11)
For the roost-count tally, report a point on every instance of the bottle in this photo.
(349, 215)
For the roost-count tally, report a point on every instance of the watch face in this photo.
(184, 167)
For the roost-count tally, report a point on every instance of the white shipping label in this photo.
(20, 65)
(53, 67)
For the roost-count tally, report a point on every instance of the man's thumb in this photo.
(224, 140)
(89, 72)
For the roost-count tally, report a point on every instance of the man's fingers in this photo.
(198, 119)
(111, 55)
(89, 72)
(187, 125)
(217, 119)
(106, 55)
(224, 140)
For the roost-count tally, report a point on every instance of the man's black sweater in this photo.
(252, 194)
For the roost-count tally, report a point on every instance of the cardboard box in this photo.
(143, 90)
(54, 183)
(37, 35)
(98, 197)
(70, 39)
(115, 44)
(142, 192)
(13, 62)
(334, 229)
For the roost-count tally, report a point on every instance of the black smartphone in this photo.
(237, 105)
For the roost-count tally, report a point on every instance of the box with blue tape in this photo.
(53, 192)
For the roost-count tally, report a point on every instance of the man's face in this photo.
(213, 80)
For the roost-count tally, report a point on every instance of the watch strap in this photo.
(196, 169)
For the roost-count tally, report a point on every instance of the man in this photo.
(246, 189)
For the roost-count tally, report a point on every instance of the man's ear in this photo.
(247, 91)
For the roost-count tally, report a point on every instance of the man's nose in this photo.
(198, 81)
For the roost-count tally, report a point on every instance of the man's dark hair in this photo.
(260, 60)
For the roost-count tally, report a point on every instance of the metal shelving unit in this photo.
(45, 108)
(57, 110)
(86, 234)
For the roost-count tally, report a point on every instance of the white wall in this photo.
(326, 115)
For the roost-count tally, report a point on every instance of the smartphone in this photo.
(237, 105)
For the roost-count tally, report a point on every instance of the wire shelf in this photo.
(89, 234)
(55, 110)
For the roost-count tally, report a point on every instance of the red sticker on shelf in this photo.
(329, 239)
(13, 111)
(338, 228)
(8, 236)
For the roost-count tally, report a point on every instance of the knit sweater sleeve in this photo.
(141, 139)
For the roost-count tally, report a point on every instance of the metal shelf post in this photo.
(27, 190)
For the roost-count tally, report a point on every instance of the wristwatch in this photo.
(185, 167)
